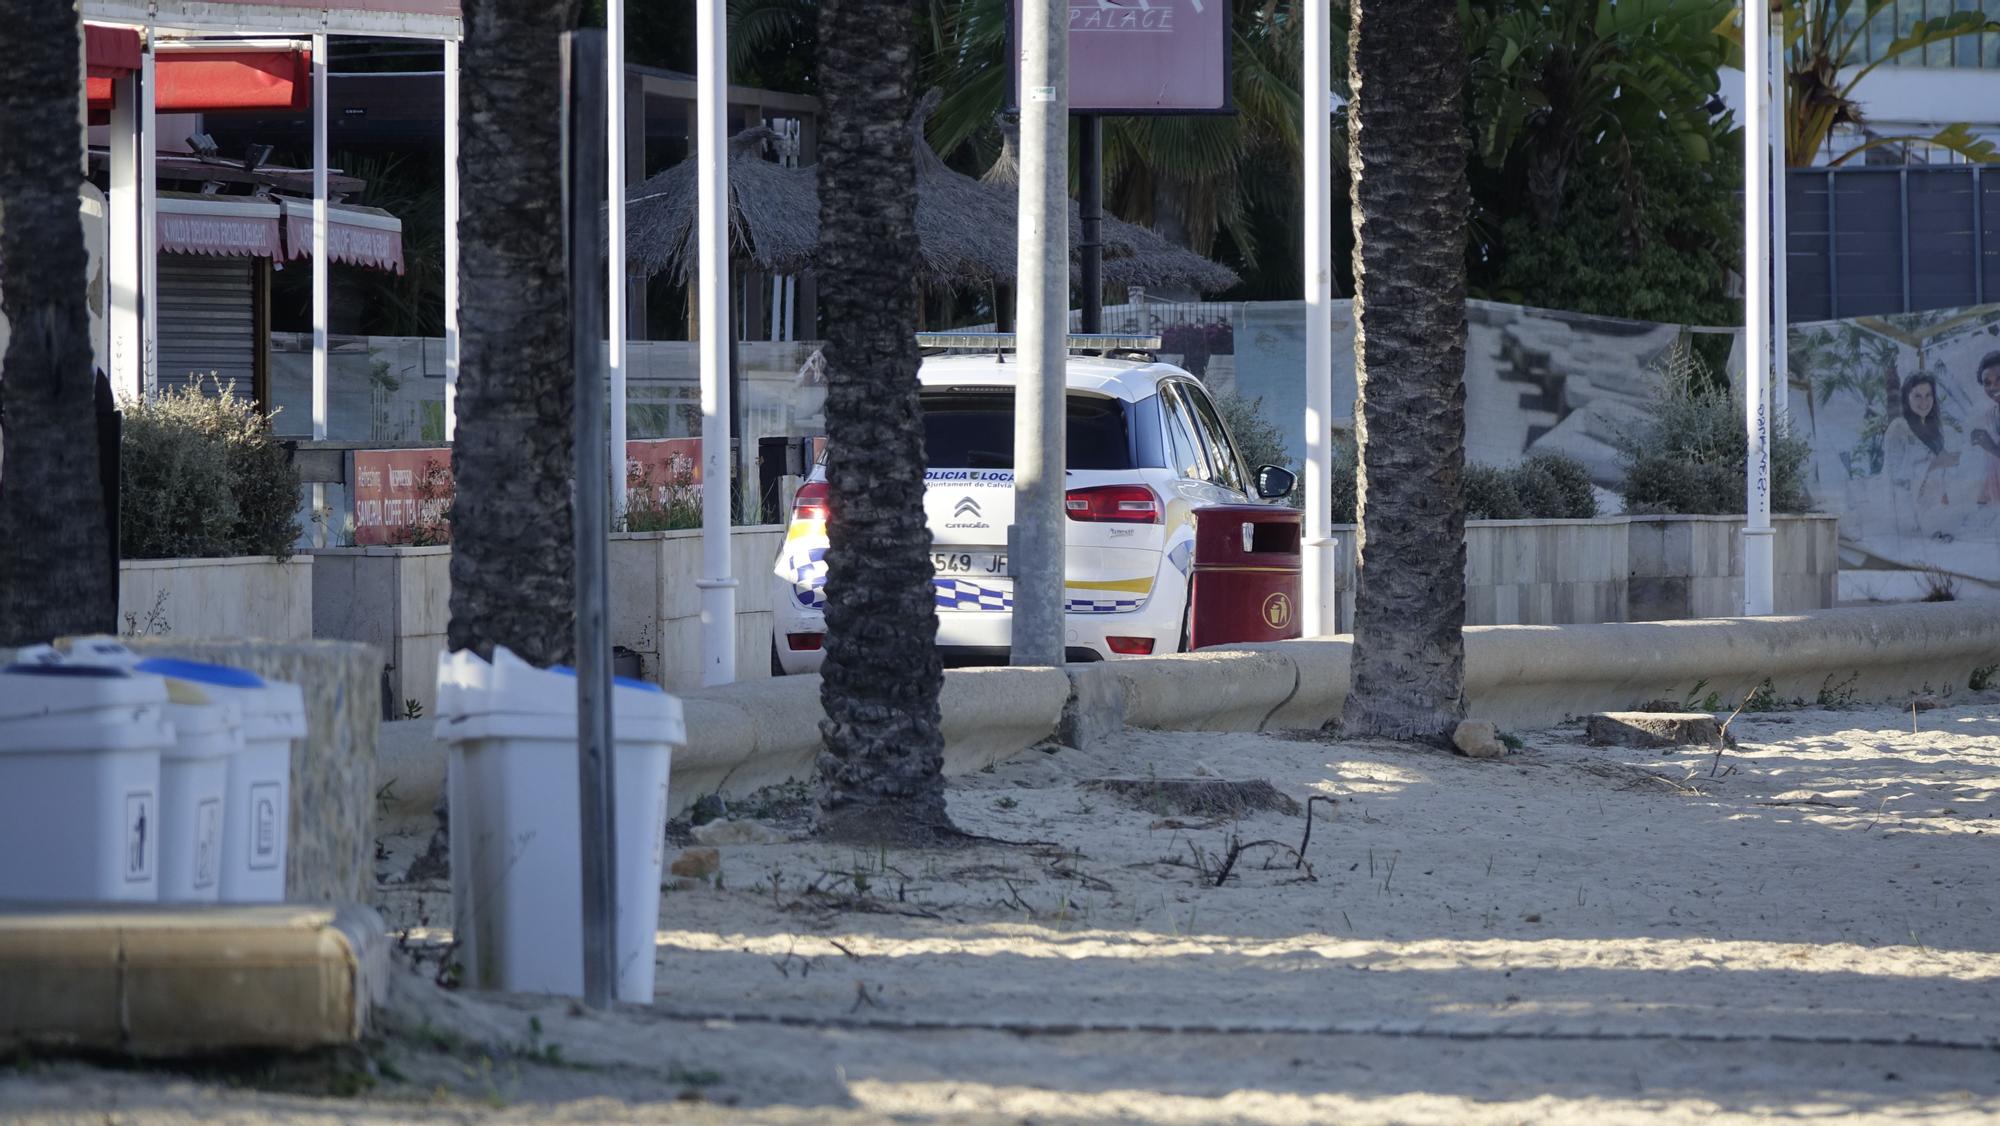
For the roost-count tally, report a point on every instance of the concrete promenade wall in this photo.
(745, 736)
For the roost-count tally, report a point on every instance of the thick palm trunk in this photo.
(1407, 162)
(512, 561)
(881, 772)
(53, 539)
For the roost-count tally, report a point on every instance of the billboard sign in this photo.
(1144, 56)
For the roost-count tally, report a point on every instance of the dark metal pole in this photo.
(1090, 137)
(583, 178)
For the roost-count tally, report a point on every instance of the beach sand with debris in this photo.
(1807, 923)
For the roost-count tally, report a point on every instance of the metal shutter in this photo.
(208, 320)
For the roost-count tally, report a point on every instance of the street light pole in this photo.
(615, 292)
(718, 588)
(1758, 583)
(1781, 314)
(1035, 550)
(583, 174)
(1321, 603)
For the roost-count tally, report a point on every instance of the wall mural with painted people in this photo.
(1903, 414)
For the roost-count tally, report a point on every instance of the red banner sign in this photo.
(402, 496)
(664, 465)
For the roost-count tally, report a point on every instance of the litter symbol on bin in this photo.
(139, 833)
(264, 822)
(207, 841)
(1278, 611)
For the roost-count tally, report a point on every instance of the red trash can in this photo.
(1245, 582)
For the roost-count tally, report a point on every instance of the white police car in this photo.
(1146, 449)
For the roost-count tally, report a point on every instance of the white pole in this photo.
(125, 249)
(320, 263)
(1042, 319)
(1320, 612)
(1780, 296)
(149, 221)
(1757, 536)
(450, 239)
(718, 589)
(614, 99)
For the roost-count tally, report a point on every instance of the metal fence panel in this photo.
(1875, 240)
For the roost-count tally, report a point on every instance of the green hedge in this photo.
(1546, 486)
(202, 477)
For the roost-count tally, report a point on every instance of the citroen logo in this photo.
(966, 507)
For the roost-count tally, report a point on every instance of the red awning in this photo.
(222, 226)
(110, 52)
(200, 81)
(360, 236)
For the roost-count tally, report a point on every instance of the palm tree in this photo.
(1828, 53)
(53, 538)
(512, 572)
(1190, 177)
(881, 772)
(1407, 162)
(1557, 85)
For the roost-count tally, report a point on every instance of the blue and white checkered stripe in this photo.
(957, 594)
(1102, 605)
(809, 579)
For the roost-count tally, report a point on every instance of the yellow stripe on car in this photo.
(1142, 585)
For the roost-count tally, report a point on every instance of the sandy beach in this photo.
(1804, 925)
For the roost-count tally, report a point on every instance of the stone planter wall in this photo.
(244, 596)
(1624, 569)
(398, 599)
(656, 607)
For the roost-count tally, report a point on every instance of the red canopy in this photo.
(198, 81)
(110, 52)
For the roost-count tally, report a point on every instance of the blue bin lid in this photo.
(201, 672)
(620, 681)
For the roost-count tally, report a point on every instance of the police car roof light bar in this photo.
(1100, 342)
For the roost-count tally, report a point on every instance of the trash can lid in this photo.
(201, 672)
(620, 681)
(34, 691)
(274, 707)
(468, 685)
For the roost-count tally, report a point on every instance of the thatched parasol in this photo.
(974, 218)
(773, 214)
(965, 227)
(1145, 259)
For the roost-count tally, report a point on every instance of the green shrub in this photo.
(1687, 456)
(203, 478)
(1257, 440)
(1490, 494)
(1554, 486)
(1345, 488)
(1544, 487)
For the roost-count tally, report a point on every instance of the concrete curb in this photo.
(1536, 676)
(743, 737)
(156, 980)
(746, 736)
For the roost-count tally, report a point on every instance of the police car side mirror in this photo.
(1274, 482)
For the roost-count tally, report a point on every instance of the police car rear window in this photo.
(975, 430)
